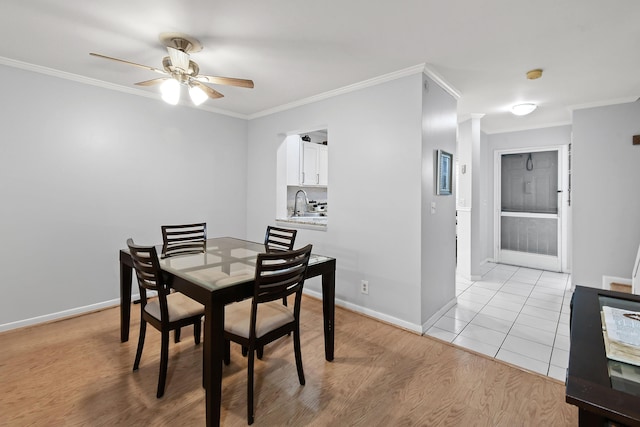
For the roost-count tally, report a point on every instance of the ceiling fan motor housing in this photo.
(192, 70)
(181, 42)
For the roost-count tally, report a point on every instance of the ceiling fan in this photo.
(179, 69)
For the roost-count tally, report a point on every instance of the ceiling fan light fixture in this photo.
(179, 70)
(198, 96)
(523, 109)
(170, 90)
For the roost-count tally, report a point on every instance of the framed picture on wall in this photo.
(444, 173)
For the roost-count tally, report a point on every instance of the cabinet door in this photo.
(293, 160)
(310, 164)
(323, 165)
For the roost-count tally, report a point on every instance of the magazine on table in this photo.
(621, 331)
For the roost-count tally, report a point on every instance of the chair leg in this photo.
(227, 352)
(298, 353)
(284, 302)
(244, 351)
(260, 351)
(164, 359)
(250, 364)
(177, 335)
(197, 329)
(143, 331)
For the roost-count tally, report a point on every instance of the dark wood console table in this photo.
(589, 385)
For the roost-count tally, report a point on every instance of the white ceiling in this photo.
(296, 49)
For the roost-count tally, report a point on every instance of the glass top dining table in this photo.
(221, 275)
(226, 262)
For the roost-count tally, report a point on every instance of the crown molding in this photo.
(626, 100)
(343, 90)
(420, 68)
(468, 116)
(525, 128)
(433, 75)
(106, 85)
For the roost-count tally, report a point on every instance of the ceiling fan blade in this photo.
(211, 93)
(226, 81)
(179, 59)
(129, 63)
(152, 81)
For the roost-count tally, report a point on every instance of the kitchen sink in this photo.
(316, 214)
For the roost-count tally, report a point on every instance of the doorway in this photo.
(530, 223)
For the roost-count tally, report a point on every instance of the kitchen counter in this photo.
(315, 223)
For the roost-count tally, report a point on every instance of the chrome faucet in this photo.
(295, 202)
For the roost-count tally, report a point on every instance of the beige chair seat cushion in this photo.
(180, 307)
(270, 316)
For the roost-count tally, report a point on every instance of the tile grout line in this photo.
(514, 320)
(504, 282)
(487, 303)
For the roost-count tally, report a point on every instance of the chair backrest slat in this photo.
(279, 239)
(183, 239)
(280, 273)
(149, 275)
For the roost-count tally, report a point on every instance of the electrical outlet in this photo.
(364, 287)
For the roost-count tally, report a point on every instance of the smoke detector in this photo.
(534, 74)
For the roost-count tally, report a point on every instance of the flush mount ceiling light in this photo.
(527, 107)
(523, 109)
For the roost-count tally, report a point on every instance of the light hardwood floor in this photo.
(76, 372)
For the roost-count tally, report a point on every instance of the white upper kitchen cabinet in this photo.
(294, 173)
(315, 164)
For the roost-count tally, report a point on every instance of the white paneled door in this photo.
(529, 223)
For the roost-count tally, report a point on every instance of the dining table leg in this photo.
(329, 311)
(212, 359)
(125, 300)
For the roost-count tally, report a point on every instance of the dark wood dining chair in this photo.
(279, 239)
(169, 311)
(254, 322)
(183, 239)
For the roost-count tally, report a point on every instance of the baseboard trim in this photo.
(437, 315)
(419, 329)
(62, 314)
(370, 313)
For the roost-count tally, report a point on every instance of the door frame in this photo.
(544, 262)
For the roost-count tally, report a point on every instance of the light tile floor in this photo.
(515, 314)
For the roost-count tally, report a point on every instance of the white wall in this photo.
(606, 198)
(463, 199)
(374, 191)
(535, 138)
(83, 168)
(438, 232)
(485, 247)
(380, 174)
(471, 199)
